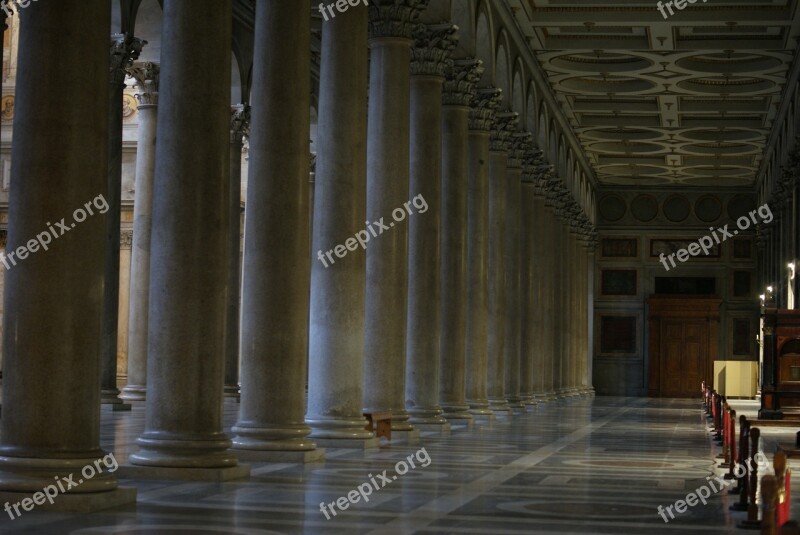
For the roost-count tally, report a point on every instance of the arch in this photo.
(542, 131)
(462, 13)
(149, 22)
(517, 99)
(503, 69)
(484, 46)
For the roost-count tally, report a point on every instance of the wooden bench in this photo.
(379, 423)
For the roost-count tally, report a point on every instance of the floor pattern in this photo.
(585, 465)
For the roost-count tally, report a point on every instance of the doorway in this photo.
(683, 343)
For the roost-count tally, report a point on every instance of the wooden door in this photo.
(683, 343)
(685, 352)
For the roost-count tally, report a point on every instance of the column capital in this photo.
(240, 122)
(394, 18)
(461, 78)
(505, 125)
(433, 45)
(125, 49)
(521, 143)
(146, 74)
(484, 108)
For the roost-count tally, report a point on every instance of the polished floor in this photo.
(582, 465)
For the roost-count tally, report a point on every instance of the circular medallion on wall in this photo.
(7, 108)
(708, 208)
(677, 208)
(612, 208)
(740, 205)
(644, 208)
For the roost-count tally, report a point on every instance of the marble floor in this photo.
(582, 465)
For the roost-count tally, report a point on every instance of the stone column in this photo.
(430, 60)
(459, 90)
(482, 116)
(515, 251)
(390, 31)
(276, 276)
(183, 436)
(53, 299)
(541, 252)
(124, 51)
(146, 75)
(336, 348)
(240, 123)
(497, 285)
(528, 312)
(552, 265)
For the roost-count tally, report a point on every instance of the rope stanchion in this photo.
(752, 521)
(744, 452)
(731, 443)
(725, 453)
(769, 499)
(744, 480)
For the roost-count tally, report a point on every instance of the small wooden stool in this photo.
(380, 423)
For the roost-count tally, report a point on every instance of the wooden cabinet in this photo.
(736, 378)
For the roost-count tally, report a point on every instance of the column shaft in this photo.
(336, 346)
(124, 50)
(528, 367)
(423, 323)
(183, 427)
(514, 251)
(276, 260)
(240, 117)
(53, 298)
(387, 190)
(146, 75)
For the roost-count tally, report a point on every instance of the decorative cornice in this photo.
(394, 18)
(432, 48)
(125, 49)
(240, 122)
(147, 75)
(505, 125)
(459, 86)
(484, 107)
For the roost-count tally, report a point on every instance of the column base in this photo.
(231, 391)
(276, 456)
(338, 429)
(440, 429)
(550, 396)
(484, 419)
(356, 444)
(410, 437)
(111, 397)
(456, 412)
(134, 393)
(77, 503)
(430, 416)
(165, 473)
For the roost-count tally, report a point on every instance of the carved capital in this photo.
(459, 86)
(484, 108)
(240, 122)
(433, 45)
(521, 143)
(146, 75)
(125, 49)
(505, 125)
(394, 18)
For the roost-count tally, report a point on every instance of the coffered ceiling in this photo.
(689, 100)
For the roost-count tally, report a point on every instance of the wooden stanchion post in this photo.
(769, 498)
(744, 480)
(732, 460)
(752, 521)
(783, 478)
